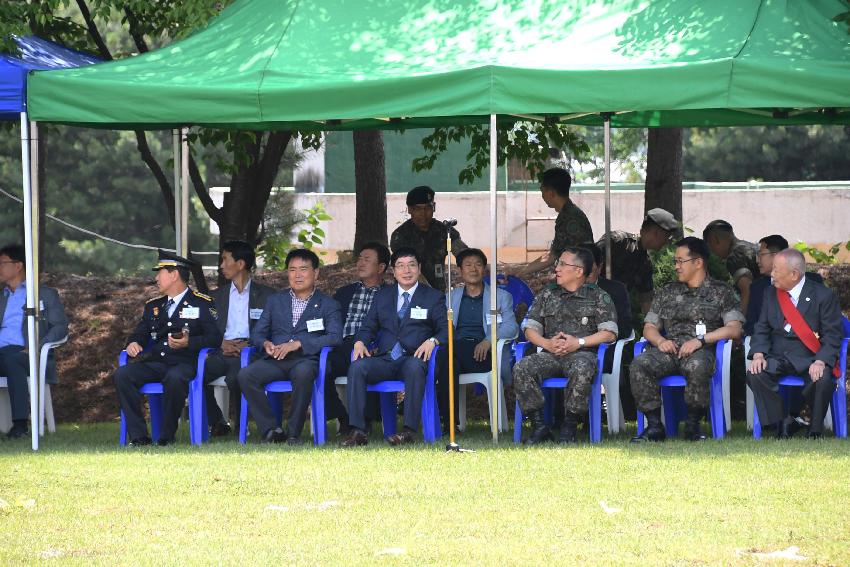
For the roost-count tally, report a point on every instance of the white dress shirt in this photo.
(237, 313)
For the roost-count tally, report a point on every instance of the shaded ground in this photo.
(103, 311)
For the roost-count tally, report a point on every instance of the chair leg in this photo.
(48, 411)
(612, 400)
(517, 424)
(595, 412)
(839, 414)
(756, 425)
(503, 409)
(461, 406)
(640, 422)
(243, 420)
(750, 408)
(122, 432)
(669, 404)
(155, 404)
(317, 417)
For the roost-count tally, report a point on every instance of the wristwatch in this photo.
(581, 343)
(701, 339)
(435, 341)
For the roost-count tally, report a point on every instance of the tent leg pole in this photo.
(494, 263)
(607, 118)
(30, 244)
(175, 143)
(184, 194)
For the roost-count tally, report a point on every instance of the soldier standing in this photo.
(568, 320)
(741, 257)
(686, 317)
(426, 235)
(571, 226)
(630, 261)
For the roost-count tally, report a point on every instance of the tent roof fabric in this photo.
(343, 64)
(34, 53)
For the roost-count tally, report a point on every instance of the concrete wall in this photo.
(813, 213)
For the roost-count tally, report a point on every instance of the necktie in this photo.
(168, 305)
(398, 351)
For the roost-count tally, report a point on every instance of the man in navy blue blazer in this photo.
(294, 327)
(407, 321)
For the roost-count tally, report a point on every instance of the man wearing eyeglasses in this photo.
(686, 319)
(568, 320)
(426, 235)
(630, 261)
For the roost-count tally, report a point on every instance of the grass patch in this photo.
(676, 503)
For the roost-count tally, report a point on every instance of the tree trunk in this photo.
(664, 170)
(370, 183)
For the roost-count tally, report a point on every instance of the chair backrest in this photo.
(846, 324)
(519, 290)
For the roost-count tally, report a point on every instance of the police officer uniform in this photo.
(429, 244)
(191, 312)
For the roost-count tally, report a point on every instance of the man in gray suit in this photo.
(240, 305)
(14, 361)
(799, 332)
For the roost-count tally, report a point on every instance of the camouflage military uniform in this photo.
(580, 313)
(676, 311)
(571, 229)
(431, 247)
(742, 261)
(630, 263)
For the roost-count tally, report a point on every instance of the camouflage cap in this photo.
(663, 219)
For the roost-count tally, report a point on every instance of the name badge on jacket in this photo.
(255, 314)
(419, 313)
(315, 325)
(190, 313)
(489, 319)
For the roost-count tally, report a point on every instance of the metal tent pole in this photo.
(607, 119)
(494, 336)
(31, 246)
(175, 143)
(184, 195)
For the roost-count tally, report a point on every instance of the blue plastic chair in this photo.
(594, 405)
(154, 392)
(389, 388)
(673, 396)
(519, 290)
(278, 387)
(839, 398)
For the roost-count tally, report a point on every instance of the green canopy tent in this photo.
(346, 64)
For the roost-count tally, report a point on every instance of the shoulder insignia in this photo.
(201, 295)
(154, 299)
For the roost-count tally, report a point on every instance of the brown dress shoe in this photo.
(355, 439)
(406, 436)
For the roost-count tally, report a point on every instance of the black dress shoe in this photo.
(786, 428)
(18, 430)
(276, 435)
(294, 441)
(403, 438)
(814, 435)
(356, 438)
(165, 441)
(651, 433)
(140, 441)
(221, 429)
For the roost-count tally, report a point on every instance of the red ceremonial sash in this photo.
(800, 327)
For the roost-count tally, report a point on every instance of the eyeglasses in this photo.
(562, 264)
(679, 262)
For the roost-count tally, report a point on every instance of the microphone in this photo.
(450, 222)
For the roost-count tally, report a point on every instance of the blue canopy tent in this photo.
(34, 53)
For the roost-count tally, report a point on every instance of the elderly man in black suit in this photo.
(408, 321)
(240, 305)
(799, 332)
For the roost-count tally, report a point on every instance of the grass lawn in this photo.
(83, 500)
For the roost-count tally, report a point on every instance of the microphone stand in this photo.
(452, 446)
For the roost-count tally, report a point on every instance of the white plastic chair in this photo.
(222, 395)
(827, 420)
(611, 388)
(485, 379)
(45, 409)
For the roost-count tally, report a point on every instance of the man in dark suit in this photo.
(240, 305)
(799, 332)
(355, 300)
(408, 321)
(178, 325)
(295, 326)
(14, 360)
